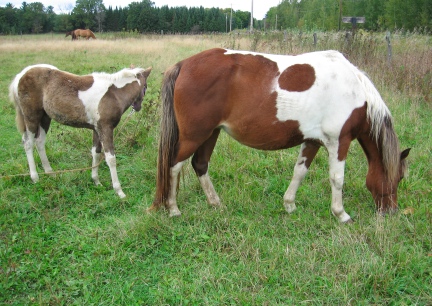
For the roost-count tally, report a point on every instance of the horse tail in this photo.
(381, 128)
(13, 97)
(168, 139)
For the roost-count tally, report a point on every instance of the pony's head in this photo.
(141, 75)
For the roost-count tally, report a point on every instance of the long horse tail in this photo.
(381, 128)
(13, 97)
(168, 140)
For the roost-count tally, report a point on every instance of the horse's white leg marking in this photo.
(112, 164)
(172, 197)
(336, 181)
(209, 190)
(95, 164)
(40, 144)
(28, 139)
(300, 171)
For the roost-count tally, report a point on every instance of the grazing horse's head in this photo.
(142, 76)
(384, 188)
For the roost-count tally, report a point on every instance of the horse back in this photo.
(267, 101)
(54, 92)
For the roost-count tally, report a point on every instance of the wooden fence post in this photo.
(389, 48)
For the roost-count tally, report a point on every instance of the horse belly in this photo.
(263, 135)
(66, 112)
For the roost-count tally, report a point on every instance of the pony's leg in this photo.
(40, 143)
(28, 139)
(172, 197)
(337, 168)
(96, 157)
(308, 151)
(200, 163)
(110, 158)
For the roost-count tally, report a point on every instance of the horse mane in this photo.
(381, 128)
(125, 73)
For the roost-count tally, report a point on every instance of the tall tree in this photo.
(85, 13)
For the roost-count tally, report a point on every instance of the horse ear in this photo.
(147, 71)
(405, 153)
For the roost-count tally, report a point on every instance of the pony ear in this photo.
(405, 153)
(147, 71)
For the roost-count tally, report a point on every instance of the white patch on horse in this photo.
(319, 110)
(101, 83)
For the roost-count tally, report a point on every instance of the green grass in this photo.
(65, 241)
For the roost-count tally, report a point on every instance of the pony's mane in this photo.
(381, 127)
(125, 73)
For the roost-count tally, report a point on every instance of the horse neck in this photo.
(383, 165)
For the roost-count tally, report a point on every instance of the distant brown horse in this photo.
(71, 33)
(87, 34)
(96, 101)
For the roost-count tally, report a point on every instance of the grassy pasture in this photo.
(65, 241)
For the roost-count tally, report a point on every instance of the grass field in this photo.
(65, 241)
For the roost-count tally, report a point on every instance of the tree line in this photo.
(145, 17)
(137, 16)
(326, 14)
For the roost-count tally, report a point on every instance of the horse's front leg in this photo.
(308, 151)
(96, 156)
(337, 168)
(110, 158)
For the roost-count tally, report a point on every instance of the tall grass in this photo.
(65, 241)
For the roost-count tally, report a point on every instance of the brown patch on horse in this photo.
(57, 88)
(355, 125)
(246, 119)
(298, 77)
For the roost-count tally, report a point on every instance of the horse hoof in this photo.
(290, 208)
(349, 221)
(175, 213)
(121, 195)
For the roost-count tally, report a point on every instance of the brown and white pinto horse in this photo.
(96, 101)
(273, 102)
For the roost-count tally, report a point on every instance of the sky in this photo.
(261, 7)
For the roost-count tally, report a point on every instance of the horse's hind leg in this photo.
(40, 143)
(96, 157)
(28, 139)
(308, 152)
(200, 162)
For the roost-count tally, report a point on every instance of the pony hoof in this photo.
(290, 208)
(175, 213)
(121, 195)
(349, 221)
(35, 179)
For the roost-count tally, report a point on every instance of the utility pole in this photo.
(251, 24)
(226, 22)
(231, 18)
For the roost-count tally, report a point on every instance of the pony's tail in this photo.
(381, 128)
(13, 97)
(169, 135)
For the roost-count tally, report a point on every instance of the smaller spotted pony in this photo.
(273, 102)
(96, 101)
